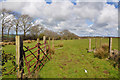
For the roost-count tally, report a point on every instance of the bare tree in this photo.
(25, 23)
(36, 29)
(5, 19)
(17, 25)
(66, 34)
(16, 22)
(50, 33)
(9, 28)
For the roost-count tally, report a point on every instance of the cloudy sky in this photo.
(85, 17)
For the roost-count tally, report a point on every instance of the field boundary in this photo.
(21, 56)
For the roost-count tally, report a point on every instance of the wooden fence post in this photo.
(110, 45)
(61, 40)
(96, 43)
(38, 48)
(100, 42)
(37, 40)
(49, 41)
(89, 44)
(53, 43)
(44, 41)
(19, 56)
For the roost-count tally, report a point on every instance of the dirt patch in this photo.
(69, 60)
(64, 64)
(106, 72)
(63, 57)
(78, 60)
(91, 61)
(76, 71)
(73, 55)
(60, 66)
(64, 77)
(86, 63)
(97, 67)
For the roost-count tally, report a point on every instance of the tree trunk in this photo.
(16, 30)
(8, 35)
(2, 32)
(24, 34)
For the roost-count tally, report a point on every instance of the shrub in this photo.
(115, 57)
(32, 40)
(102, 52)
(59, 45)
(6, 57)
(27, 41)
(51, 50)
(5, 41)
(12, 43)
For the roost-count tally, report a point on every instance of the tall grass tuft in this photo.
(51, 50)
(102, 52)
(59, 45)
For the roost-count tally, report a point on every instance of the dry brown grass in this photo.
(59, 45)
(32, 40)
(115, 57)
(102, 52)
(7, 43)
(27, 41)
(51, 50)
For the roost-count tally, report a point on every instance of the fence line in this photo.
(41, 49)
(110, 44)
(37, 52)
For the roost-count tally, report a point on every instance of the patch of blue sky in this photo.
(48, 1)
(2, 0)
(113, 3)
(17, 14)
(89, 22)
(74, 2)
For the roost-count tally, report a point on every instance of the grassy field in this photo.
(71, 61)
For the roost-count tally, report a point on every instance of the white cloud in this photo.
(65, 15)
(62, 0)
(109, 14)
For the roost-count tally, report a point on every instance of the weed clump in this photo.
(115, 58)
(59, 45)
(51, 50)
(102, 52)
(27, 41)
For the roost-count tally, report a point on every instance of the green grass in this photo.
(71, 61)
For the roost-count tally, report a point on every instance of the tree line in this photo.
(17, 23)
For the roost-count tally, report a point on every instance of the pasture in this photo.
(71, 61)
